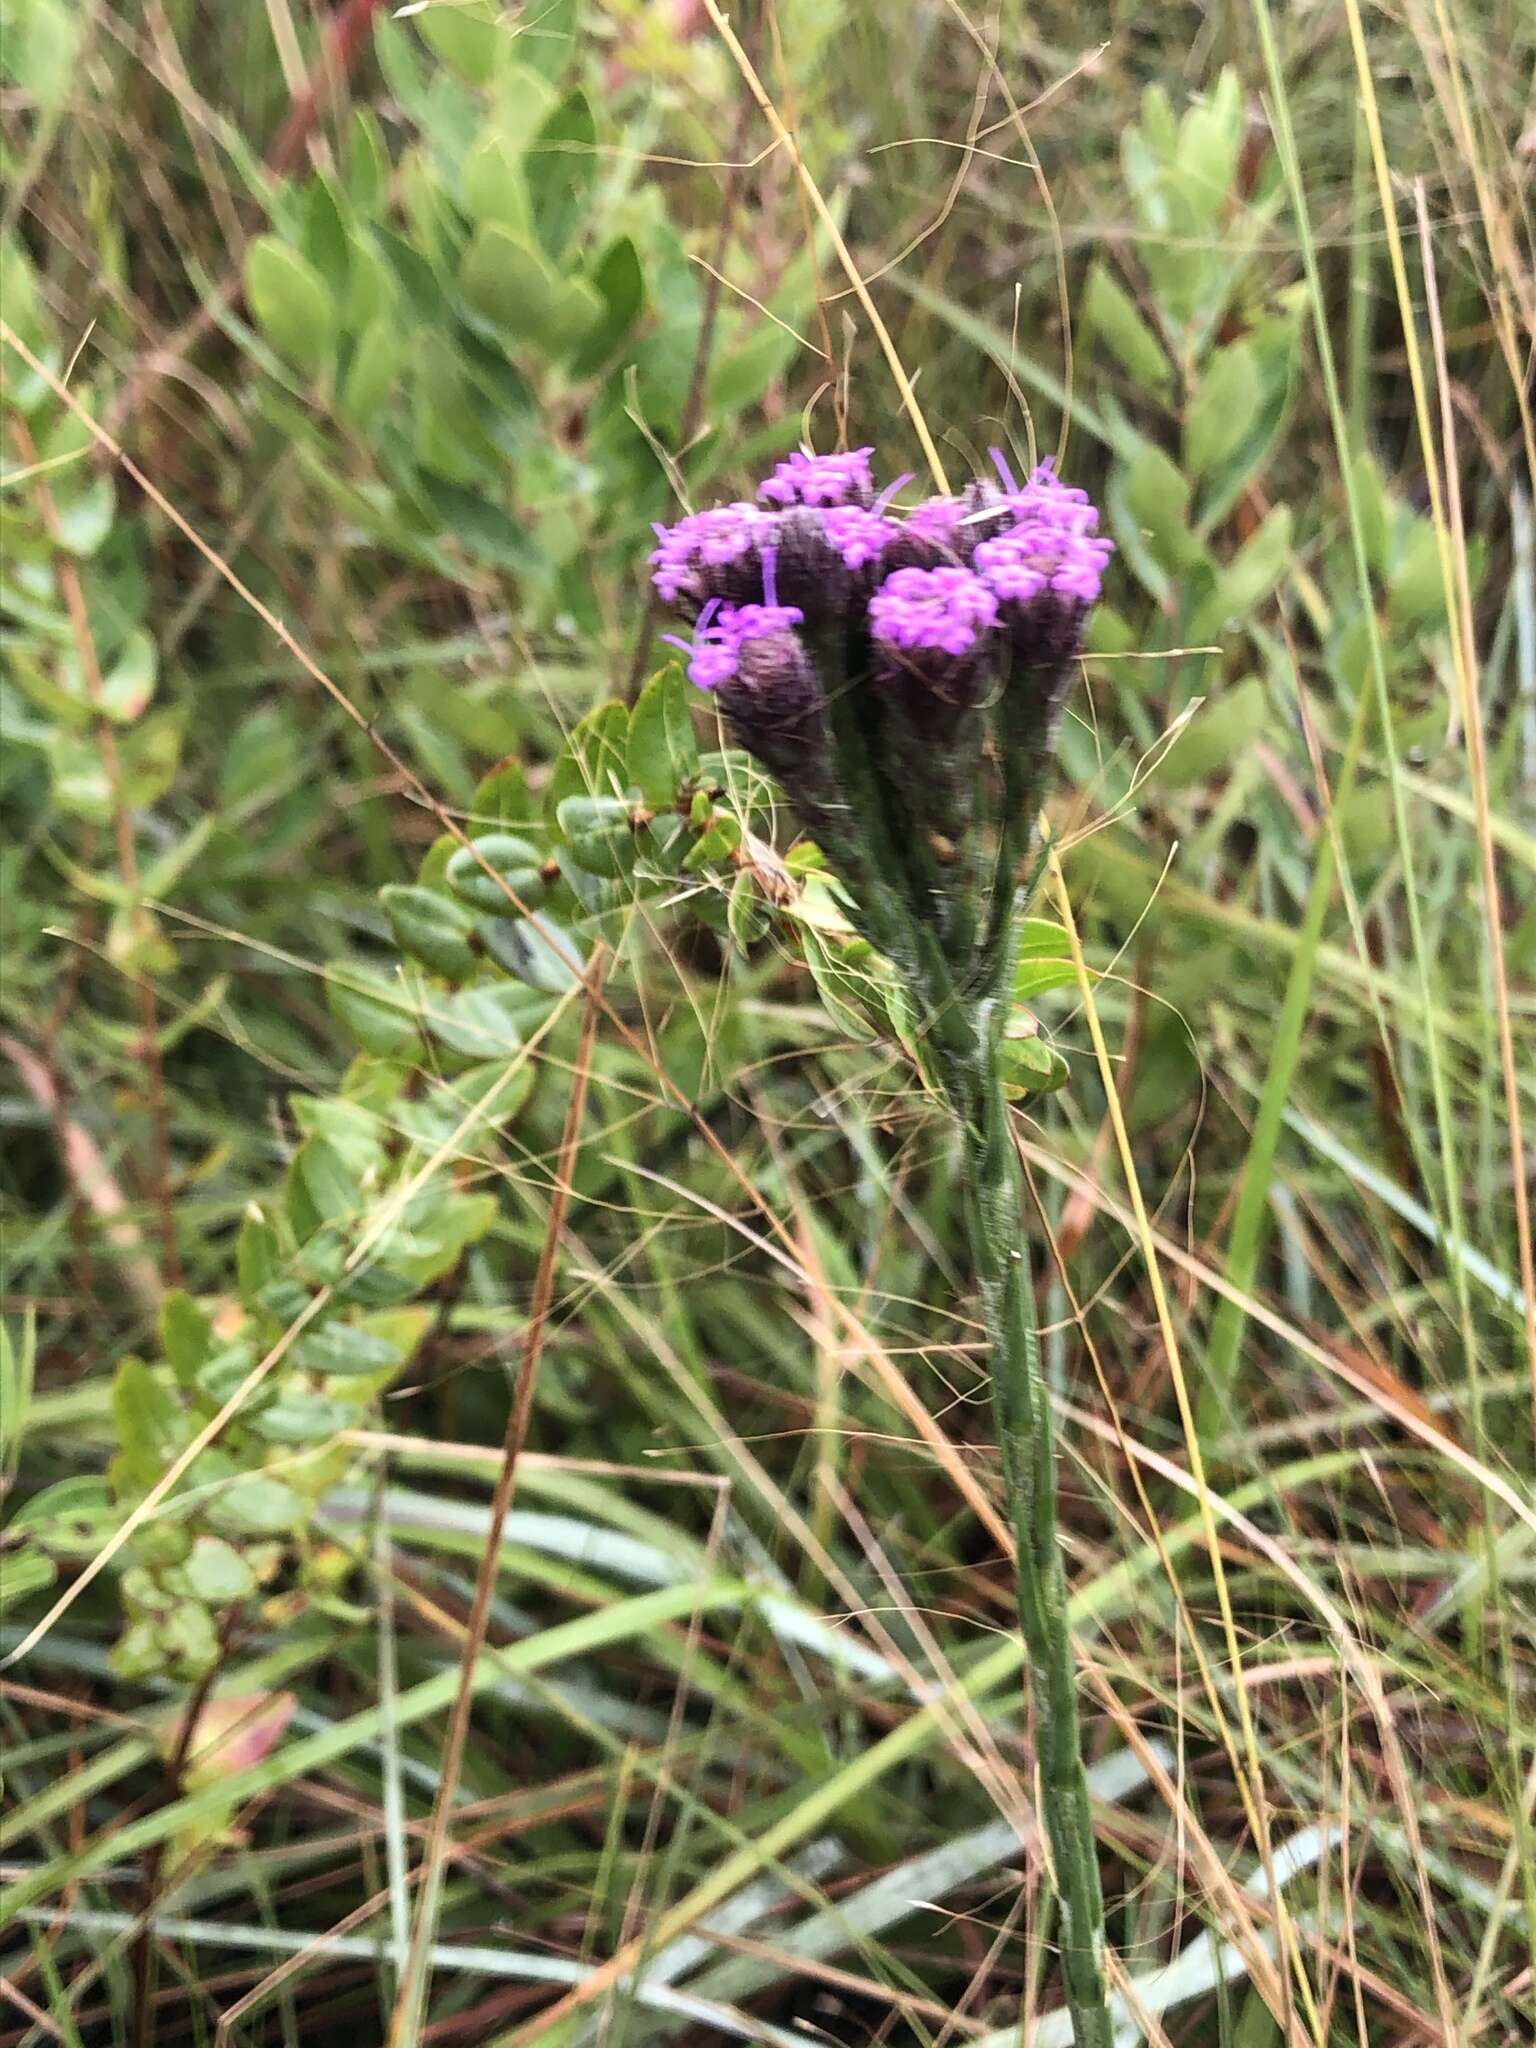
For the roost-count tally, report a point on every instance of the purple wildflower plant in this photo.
(902, 678)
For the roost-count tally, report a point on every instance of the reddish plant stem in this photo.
(339, 50)
(148, 1044)
(415, 1978)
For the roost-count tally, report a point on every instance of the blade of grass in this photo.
(1248, 1776)
(415, 1983)
(1454, 552)
(1283, 1055)
(828, 220)
(525, 1967)
(396, 1857)
(587, 1633)
(1388, 1192)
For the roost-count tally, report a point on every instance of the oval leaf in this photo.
(291, 302)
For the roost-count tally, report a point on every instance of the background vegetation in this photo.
(347, 359)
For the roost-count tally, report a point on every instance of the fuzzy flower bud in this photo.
(1046, 571)
(945, 531)
(775, 704)
(774, 701)
(830, 557)
(723, 630)
(932, 633)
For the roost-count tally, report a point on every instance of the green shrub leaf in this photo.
(291, 302)
(432, 928)
(515, 860)
(662, 754)
(342, 1350)
(1223, 409)
(1112, 314)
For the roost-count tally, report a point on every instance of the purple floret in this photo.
(937, 520)
(703, 541)
(1042, 478)
(1046, 553)
(1051, 546)
(859, 537)
(945, 611)
(723, 630)
(821, 480)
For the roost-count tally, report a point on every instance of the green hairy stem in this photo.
(916, 875)
(1026, 1441)
(965, 1034)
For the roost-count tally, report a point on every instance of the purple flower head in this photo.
(830, 558)
(1052, 545)
(933, 611)
(858, 536)
(1037, 557)
(723, 630)
(936, 520)
(1051, 548)
(944, 531)
(1042, 478)
(689, 559)
(821, 480)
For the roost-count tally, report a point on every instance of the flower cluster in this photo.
(893, 668)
